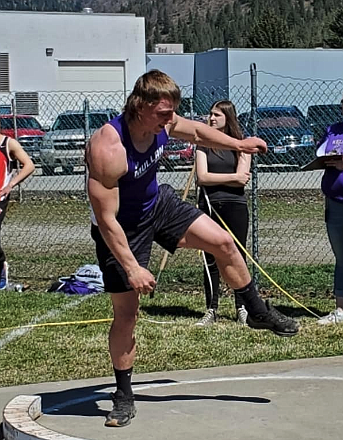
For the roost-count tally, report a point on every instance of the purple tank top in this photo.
(332, 182)
(138, 188)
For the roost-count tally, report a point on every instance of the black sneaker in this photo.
(274, 321)
(123, 410)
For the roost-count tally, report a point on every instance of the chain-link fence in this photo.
(46, 232)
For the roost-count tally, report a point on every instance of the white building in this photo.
(168, 48)
(85, 52)
(299, 77)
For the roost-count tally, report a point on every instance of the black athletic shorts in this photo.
(165, 224)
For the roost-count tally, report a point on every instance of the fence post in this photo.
(15, 128)
(87, 136)
(254, 170)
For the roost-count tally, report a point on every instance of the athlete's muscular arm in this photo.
(106, 158)
(202, 134)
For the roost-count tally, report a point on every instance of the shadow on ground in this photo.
(84, 401)
(172, 311)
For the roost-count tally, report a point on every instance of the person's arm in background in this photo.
(106, 159)
(240, 178)
(27, 167)
(243, 167)
(321, 145)
(201, 134)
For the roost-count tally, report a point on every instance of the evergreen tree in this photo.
(270, 31)
(335, 38)
(238, 23)
(166, 22)
(157, 35)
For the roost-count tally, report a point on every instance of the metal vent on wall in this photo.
(4, 72)
(27, 103)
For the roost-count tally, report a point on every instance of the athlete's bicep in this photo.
(104, 201)
(106, 159)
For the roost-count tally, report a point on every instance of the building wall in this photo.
(73, 37)
(211, 78)
(180, 67)
(168, 48)
(299, 77)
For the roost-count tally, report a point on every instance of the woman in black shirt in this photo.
(222, 176)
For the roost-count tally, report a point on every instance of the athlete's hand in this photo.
(141, 280)
(253, 145)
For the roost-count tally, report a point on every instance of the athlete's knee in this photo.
(125, 318)
(226, 247)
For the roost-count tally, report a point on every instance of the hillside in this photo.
(204, 24)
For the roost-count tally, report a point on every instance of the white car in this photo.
(64, 144)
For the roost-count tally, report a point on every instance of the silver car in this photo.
(64, 144)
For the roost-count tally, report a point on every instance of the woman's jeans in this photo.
(334, 224)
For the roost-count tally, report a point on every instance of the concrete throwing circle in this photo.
(280, 406)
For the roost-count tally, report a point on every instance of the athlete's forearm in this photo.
(208, 137)
(116, 240)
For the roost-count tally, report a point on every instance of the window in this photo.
(4, 72)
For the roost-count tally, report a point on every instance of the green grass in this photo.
(80, 351)
(285, 205)
(64, 211)
(57, 251)
(166, 336)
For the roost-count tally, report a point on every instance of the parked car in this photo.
(5, 109)
(177, 152)
(285, 129)
(64, 144)
(320, 116)
(29, 133)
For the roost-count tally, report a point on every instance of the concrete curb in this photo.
(19, 421)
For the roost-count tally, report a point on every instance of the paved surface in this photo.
(266, 181)
(299, 399)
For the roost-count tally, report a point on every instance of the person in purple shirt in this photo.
(332, 187)
(130, 211)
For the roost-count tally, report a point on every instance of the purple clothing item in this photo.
(138, 188)
(332, 181)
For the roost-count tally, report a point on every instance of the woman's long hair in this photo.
(232, 127)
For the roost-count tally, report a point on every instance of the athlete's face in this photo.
(156, 116)
(217, 119)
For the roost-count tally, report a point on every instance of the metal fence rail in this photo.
(46, 230)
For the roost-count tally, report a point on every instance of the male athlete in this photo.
(131, 211)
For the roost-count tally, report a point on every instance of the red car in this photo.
(29, 133)
(177, 152)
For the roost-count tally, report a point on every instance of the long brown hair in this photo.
(232, 127)
(149, 89)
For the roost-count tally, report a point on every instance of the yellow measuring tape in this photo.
(54, 324)
(259, 267)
